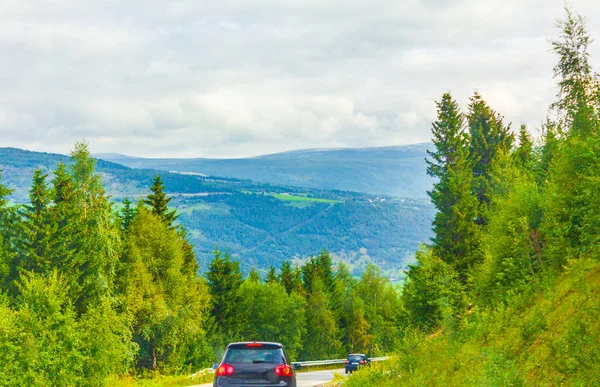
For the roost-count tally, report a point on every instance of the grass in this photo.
(192, 208)
(548, 336)
(158, 380)
(297, 198)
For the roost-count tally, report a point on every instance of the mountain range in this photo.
(263, 222)
(398, 171)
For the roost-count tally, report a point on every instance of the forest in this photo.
(255, 221)
(91, 292)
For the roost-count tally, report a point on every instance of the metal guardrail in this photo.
(316, 363)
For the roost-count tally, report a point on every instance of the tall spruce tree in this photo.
(159, 203)
(224, 280)
(488, 136)
(38, 228)
(456, 239)
(524, 153)
(272, 276)
(286, 276)
(127, 214)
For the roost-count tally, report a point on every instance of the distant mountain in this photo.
(259, 223)
(398, 171)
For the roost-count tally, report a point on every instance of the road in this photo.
(305, 379)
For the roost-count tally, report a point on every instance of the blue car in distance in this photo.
(356, 360)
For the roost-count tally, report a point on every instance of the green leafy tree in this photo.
(323, 341)
(169, 304)
(431, 292)
(270, 314)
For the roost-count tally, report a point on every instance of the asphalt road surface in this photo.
(305, 379)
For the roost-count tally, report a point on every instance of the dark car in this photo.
(255, 364)
(355, 361)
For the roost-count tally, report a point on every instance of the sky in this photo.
(223, 78)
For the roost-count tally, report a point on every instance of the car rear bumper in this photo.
(224, 382)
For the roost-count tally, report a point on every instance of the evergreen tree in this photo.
(456, 239)
(286, 276)
(9, 234)
(571, 220)
(488, 135)
(159, 202)
(325, 270)
(524, 152)
(271, 276)
(224, 280)
(578, 89)
(38, 231)
(127, 214)
(253, 276)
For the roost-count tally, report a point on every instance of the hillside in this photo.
(397, 171)
(260, 224)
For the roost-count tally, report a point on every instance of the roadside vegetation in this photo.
(94, 294)
(508, 291)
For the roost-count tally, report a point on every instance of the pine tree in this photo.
(271, 276)
(578, 88)
(456, 239)
(286, 276)
(38, 229)
(488, 136)
(524, 152)
(253, 276)
(224, 280)
(9, 234)
(159, 202)
(127, 214)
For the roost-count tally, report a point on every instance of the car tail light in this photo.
(283, 370)
(225, 370)
(362, 361)
(254, 345)
(347, 361)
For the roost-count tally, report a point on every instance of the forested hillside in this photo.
(260, 224)
(397, 171)
(95, 295)
(507, 293)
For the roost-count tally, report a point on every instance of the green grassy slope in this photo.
(548, 337)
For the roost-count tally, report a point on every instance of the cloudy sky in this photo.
(225, 78)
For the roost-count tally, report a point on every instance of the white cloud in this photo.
(233, 78)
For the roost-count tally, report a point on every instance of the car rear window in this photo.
(354, 357)
(253, 355)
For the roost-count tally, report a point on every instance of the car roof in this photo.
(356, 354)
(263, 343)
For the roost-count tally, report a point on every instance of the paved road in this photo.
(305, 379)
